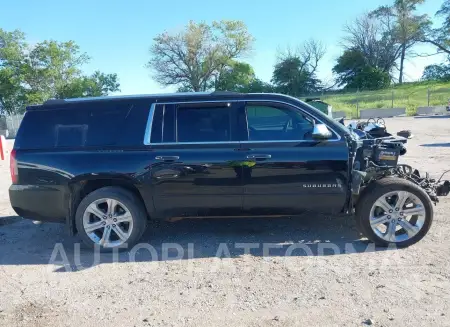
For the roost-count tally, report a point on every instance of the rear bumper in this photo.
(38, 202)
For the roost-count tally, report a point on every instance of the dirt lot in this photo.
(207, 280)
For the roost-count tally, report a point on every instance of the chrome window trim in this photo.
(176, 124)
(163, 117)
(285, 141)
(148, 128)
(192, 143)
(152, 113)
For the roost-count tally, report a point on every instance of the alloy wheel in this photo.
(397, 216)
(108, 222)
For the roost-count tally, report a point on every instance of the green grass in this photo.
(408, 95)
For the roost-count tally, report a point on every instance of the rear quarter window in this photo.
(42, 129)
(115, 123)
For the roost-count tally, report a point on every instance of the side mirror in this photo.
(321, 132)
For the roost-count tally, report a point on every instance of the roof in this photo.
(163, 98)
(188, 95)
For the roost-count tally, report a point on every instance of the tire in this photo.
(403, 234)
(126, 204)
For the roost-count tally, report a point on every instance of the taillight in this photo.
(13, 167)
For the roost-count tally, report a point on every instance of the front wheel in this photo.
(394, 211)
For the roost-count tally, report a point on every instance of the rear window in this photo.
(83, 125)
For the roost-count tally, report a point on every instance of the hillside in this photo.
(409, 95)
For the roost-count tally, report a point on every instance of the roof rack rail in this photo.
(225, 93)
(54, 101)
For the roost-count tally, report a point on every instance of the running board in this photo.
(173, 219)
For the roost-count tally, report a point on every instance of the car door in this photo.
(196, 169)
(289, 172)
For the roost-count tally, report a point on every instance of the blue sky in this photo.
(117, 34)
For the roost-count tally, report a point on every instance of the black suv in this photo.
(104, 166)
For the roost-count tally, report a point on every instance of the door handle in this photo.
(167, 158)
(259, 156)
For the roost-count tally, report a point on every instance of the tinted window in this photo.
(169, 123)
(271, 123)
(106, 123)
(83, 124)
(70, 135)
(41, 129)
(203, 124)
(157, 124)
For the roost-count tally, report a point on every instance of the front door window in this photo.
(270, 123)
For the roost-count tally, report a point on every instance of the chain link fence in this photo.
(9, 125)
(408, 97)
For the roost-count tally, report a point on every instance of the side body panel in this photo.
(202, 181)
(44, 189)
(294, 174)
(191, 175)
(305, 176)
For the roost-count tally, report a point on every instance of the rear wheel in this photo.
(394, 211)
(111, 217)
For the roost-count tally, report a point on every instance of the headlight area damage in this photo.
(374, 159)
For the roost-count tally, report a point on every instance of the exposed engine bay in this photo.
(376, 158)
(374, 128)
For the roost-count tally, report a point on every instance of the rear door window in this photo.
(203, 124)
(163, 124)
(157, 124)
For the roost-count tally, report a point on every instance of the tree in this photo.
(403, 26)
(374, 41)
(259, 86)
(99, 84)
(354, 72)
(50, 69)
(294, 73)
(195, 57)
(236, 76)
(440, 37)
(50, 66)
(440, 72)
(12, 52)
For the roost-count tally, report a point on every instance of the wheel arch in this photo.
(391, 184)
(81, 186)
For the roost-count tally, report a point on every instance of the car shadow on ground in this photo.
(7, 220)
(24, 243)
(437, 145)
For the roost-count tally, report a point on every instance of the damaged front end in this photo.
(374, 159)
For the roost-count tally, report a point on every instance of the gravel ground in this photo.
(309, 271)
